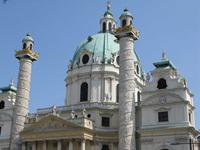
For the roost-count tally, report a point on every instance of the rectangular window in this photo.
(163, 116)
(105, 147)
(105, 121)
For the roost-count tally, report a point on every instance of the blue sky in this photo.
(57, 28)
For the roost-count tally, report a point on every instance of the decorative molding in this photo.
(146, 140)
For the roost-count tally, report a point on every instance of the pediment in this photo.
(51, 123)
(161, 99)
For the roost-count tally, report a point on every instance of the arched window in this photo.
(138, 69)
(124, 23)
(24, 46)
(31, 46)
(162, 84)
(110, 26)
(130, 22)
(117, 93)
(84, 92)
(2, 105)
(138, 96)
(104, 27)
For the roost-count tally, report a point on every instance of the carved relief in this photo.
(128, 106)
(126, 55)
(23, 93)
(129, 95)
(181, 139)
(53, 125)
(126, 131)
(126, 119)
(24, 75)
(128, 74)
(146, 140)
(127, 86)
(24, 84)
(125, 143)
(25, 66)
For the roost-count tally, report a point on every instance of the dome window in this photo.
(2, 105)
(104, 27)
(124, 23)
(138, 69)
(85, 59)
(117, 60)
(162, 84)
(138, 96)
(110, 26)
(31, 46)
(130, 22)
(84, 92)
(24, 46)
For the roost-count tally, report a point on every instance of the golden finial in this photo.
(108, 6)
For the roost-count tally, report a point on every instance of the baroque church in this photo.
(111, 103)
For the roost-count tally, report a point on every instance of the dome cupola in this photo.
(107, 22)
(126, 18)
(27, 42)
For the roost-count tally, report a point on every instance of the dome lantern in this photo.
(27, 42)
(108, 22)
(126, 18)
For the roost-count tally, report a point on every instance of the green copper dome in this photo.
(101, 45)
(28, 38)
(126, 13)
(108, 14)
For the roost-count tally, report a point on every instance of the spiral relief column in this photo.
(126, 34)
(26, 56)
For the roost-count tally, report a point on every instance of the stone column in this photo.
(44, 145)
(23, 146)
(26, 57)
(83, 144)
(34, 146)
(59, 145)
(70, 145)
(126, 90)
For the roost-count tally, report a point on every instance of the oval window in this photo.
(85, 59)
(117, 59)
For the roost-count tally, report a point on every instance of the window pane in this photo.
(105, 121)
(162, 116)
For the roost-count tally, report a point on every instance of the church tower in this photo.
(126, 34)
(25, 56)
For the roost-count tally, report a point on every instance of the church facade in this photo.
(111, 103)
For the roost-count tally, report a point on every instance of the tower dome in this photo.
(126, 13)
(28, 38)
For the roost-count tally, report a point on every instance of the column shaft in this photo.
(22, 101)
(70, 145)
(59, 145)
(83, 145)
(126, 96)
(34, 146)
(44, 145)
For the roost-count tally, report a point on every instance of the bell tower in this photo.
(126, 34)
(25, 56)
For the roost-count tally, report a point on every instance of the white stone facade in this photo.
(110, 104)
